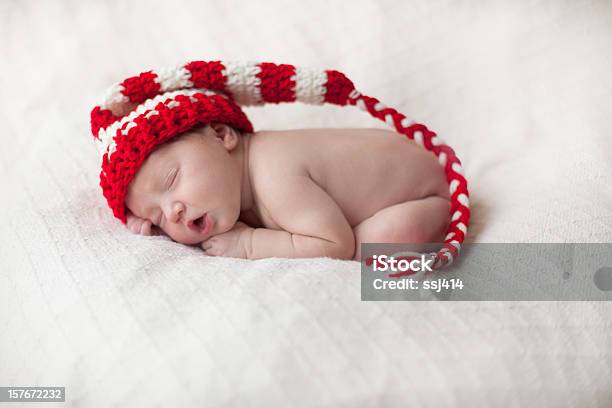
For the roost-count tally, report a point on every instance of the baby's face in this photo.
(190, 188)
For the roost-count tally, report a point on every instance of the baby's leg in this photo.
(417, 221)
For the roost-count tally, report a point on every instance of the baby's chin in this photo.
(187, 241)
(183, 237)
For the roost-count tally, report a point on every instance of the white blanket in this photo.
(521, 90)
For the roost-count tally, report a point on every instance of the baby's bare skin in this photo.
(302, 193)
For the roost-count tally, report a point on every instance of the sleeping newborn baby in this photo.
(289, 193)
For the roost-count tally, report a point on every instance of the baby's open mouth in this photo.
(200, 223)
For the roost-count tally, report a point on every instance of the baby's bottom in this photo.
(417, 221)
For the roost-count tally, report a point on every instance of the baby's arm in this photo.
(313, 224)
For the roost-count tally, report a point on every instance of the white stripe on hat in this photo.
(310, 86)
(114, 100)
(173, 78)
(243, 83)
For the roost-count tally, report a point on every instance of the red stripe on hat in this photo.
(207, 75)
(276, 82)
(140, 88)
(101, 118)
(338, 87)
(446, 149)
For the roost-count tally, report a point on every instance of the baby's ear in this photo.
(225, 134)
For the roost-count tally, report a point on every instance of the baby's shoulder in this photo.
(276, 152)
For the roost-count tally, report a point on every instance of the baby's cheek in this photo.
(170, 231)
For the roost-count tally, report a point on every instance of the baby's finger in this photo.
(145, 228)
(131, 219)
(134, 228)
(134, 224)
(211, 252)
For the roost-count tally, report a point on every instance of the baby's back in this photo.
(363, 170)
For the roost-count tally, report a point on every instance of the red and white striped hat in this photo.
(142, 112)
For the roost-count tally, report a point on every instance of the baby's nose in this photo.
(176, 213)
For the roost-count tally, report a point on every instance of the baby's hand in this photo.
(232, 243)
(139, 225)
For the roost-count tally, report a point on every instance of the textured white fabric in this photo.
(521, 90)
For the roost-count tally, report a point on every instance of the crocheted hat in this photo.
(142, 112)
